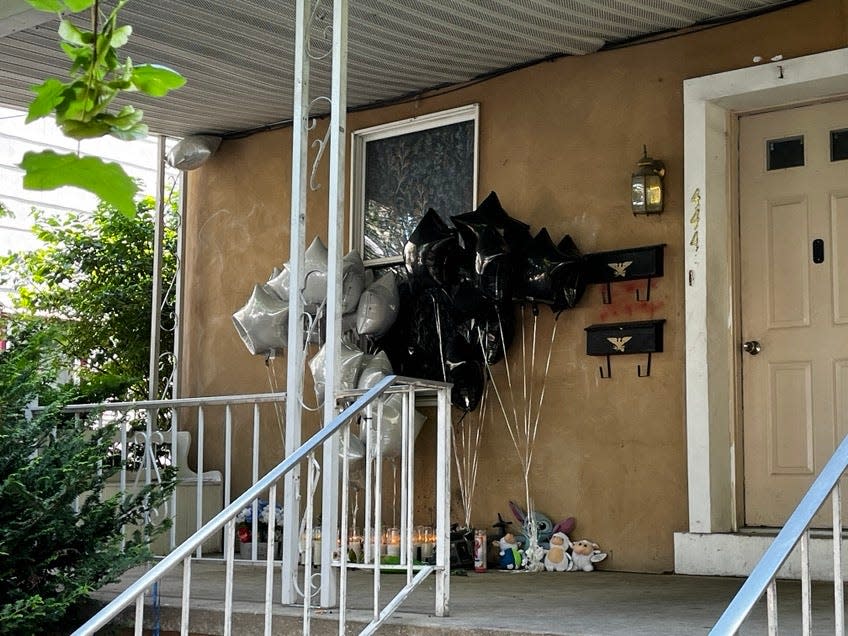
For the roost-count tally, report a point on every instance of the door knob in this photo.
(752, 346)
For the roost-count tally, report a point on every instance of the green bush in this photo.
(90, 284)
(58, 540)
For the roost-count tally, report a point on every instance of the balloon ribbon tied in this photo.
(466, 445)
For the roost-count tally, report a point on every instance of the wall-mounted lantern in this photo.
(646, 185)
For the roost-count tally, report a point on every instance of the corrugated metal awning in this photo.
(238, 55)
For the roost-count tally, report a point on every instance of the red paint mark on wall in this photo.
(624, 306)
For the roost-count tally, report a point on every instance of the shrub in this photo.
(58, 540)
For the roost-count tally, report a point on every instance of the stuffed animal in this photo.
(545, 527)
(557, 558)
(509, 557)
(584, 555)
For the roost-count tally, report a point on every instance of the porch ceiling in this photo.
(238, 55)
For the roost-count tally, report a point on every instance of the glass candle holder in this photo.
(316, 547)
(393, 542)
(428, 540)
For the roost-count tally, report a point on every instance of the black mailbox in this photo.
(631, 263)
(623, 338)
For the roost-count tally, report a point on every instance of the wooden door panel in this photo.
(838, 257)
(840, 382)
(795, 391)
(790, 419)
(787, 268)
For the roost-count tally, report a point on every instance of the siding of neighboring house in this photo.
(16, 138)
(558, 142)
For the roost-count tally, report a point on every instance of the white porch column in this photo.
(710, 368)
(335, 234)
(294, 368)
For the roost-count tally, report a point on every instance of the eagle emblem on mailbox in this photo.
(618, 343)
(620, 269)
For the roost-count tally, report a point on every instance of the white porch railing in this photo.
(369, 409)
(202, 493)
(763, 577)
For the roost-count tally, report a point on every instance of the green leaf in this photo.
(103, 47)
(133, 133)
(48, 170)
(156, 80)
(74, 53)
(121, 36)
(84, 129)
(119, 84)
(53, 6)
(47, 96)
(111, 60)
(70, 33)
(126, 118)
(77, 106)
(78, 5)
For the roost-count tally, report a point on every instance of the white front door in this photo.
(793, 189)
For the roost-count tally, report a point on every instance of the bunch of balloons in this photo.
(367, 313)
(262, 323)
(457, 301)
(445, 317)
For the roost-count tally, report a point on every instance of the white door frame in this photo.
(710, 106)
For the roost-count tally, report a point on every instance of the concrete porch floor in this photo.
(494, 603)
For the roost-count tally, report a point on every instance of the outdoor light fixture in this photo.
(646, 186)
(192, 152)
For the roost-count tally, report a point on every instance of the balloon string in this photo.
(466, 454)
(355, 511)
(466, 460)
(523, 364)
(460, 468)
(529, 405)
(544, 384)
(509, 427)
(272, 379)
(356, 505)
(439, 332)
(394, 492)
(530, 524)
(506, 366)
(522, 453)
(476, 453)
(312, 324)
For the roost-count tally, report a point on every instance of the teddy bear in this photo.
(557, 558)
(584, 555)
(508, 553)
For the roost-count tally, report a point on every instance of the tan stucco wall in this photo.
(557, 142)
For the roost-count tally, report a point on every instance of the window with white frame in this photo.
(402, 169)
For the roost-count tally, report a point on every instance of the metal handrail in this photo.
(766, 570)
(185, 549)
(217, 400)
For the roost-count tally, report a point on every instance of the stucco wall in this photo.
(557, 142)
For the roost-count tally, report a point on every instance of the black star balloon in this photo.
(431, 250)
(491, 215)
(468, 382)
(573, 279)
(544, 269)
